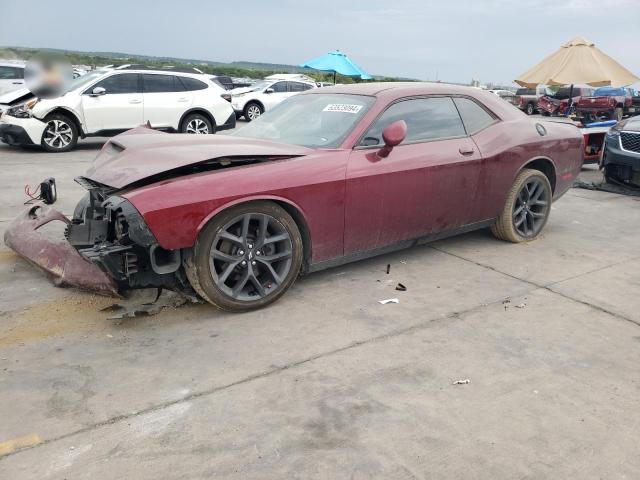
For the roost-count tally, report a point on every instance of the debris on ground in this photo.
(466, 381)
(401, 288)
(389, 300)
(522, 305)
(388, 268)
(603, 186)
(141, 303)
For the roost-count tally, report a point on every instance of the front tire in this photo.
(252, 110)
(197, 124)
(60, 134)
(527, 208)
(247, 257)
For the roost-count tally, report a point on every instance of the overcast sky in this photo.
(457, 40)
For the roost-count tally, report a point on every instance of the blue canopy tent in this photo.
(337, 62)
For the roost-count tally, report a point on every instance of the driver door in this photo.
(426, 185)
(119, 108)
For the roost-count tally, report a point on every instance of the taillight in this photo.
(226, 96)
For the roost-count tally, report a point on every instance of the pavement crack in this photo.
(548, 287)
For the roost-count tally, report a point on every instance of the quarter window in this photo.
(475, 117)
(191, 84)
(426, 119)
(120, 83)
(161, 84)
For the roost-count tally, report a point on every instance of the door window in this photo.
(11, 73)
(161, 83)
(474, 117)
(280, 87)
(426, 119)
(119, 83)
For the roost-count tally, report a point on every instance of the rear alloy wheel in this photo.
(246, 257)
(252, 111)
(60, 134)
(197, 124)
(529, 109)
(527, 208)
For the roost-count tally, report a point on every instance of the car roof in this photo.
(12, 64)
(390, 91)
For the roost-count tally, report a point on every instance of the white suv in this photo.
(110, 101)
(11, 77)
(253, 101)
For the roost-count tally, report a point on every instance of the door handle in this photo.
(183, 99)
(135, 101)
(18, 83)
(466, 151)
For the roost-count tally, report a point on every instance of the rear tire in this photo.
(60, 133)
(247, 257)
(529, 109)
(526, 209)
(196, 123)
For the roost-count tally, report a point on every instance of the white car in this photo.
(11, 77)
(110, 101)
(253, 101)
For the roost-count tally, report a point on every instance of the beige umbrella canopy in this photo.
(578, 62)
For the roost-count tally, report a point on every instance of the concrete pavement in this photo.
(328, 383)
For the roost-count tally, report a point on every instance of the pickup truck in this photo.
(527, 100)
(557, 103)
(608, 102)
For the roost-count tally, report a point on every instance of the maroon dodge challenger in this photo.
(329, 176)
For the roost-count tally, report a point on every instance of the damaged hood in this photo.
(142, 153)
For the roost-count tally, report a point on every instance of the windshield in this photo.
(316, 120)
(85, 80)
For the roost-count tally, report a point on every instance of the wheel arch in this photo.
(256, 101)
(544, 165)
(73, 116)
(287, 205)
(201, 111)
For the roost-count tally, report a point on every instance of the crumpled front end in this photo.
(63, 264)
(108, 247)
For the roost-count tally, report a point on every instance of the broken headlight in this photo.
(24, 110)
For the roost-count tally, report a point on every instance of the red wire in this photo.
(34, 195)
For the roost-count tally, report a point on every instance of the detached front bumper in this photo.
(58, 259)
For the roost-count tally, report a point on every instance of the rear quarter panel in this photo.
(176, 210)
(508, 147)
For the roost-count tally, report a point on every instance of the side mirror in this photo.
(269, 90)
(392, 135)
(96, 92)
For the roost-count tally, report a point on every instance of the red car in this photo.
(327, 177)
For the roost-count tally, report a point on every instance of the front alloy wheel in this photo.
(527, 208)
(247, 257)
(60, 134)
(252, 111)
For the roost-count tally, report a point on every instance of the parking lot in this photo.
(327, 382)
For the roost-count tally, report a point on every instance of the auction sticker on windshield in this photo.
(342, 107)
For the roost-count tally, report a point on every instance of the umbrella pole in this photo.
(334, 77)
(570, 102)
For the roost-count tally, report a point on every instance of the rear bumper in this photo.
(229, 124)
(62, 263)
